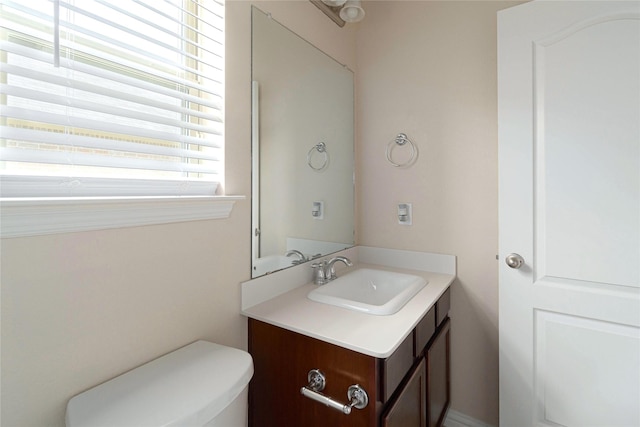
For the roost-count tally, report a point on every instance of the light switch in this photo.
(317, 210)
(404, 213)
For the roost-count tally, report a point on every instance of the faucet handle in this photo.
(319, 276)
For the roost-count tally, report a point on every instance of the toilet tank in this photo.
(191, 386)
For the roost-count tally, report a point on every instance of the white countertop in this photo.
(373, 335)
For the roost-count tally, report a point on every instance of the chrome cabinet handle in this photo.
(357, 396)
(514, 261)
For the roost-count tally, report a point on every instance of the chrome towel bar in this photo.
(357, 396)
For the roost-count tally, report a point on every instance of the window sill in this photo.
(39, 216)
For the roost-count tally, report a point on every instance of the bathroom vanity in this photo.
(401, 361)
(409, 388)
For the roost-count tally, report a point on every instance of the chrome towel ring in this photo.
(321, 148)
(401, 140)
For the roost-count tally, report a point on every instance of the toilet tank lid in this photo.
(189, 386)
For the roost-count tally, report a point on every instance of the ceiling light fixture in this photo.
(352, 11)
(334, 3)
(341, 11)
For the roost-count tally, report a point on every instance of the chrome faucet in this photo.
(324, 272)
(300, 255)
(330, 271)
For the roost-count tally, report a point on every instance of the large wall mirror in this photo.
(303, 153)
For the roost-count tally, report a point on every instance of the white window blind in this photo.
(111, 97)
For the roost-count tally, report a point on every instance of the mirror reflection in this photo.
(303, 157)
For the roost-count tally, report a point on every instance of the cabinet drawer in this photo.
(442, 307)
(425, 330)
(396, 366)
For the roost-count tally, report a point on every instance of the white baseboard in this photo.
(458, 419)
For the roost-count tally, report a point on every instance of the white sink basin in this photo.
(370, 291)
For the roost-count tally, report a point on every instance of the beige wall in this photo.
(428, 69)
(80, 308)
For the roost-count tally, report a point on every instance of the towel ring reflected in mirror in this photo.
(321, 148)
(402, 140)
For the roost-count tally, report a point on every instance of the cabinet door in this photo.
(439, 376)
(409, 408)
(282, 360)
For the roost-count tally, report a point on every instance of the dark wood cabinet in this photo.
(409, 409)
(409, 388)
(438, 359)
(282, 360)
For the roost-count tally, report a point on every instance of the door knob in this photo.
(514, 261)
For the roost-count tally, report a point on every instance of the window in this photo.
(97, 89)
(111, 98)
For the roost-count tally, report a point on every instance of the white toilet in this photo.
(202, 384)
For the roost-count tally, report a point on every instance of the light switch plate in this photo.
(317, 210)
(404, 214)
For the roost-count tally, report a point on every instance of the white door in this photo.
(569, 155)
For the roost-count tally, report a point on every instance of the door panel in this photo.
(587, 143)
(608, 350)
(569, 144)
